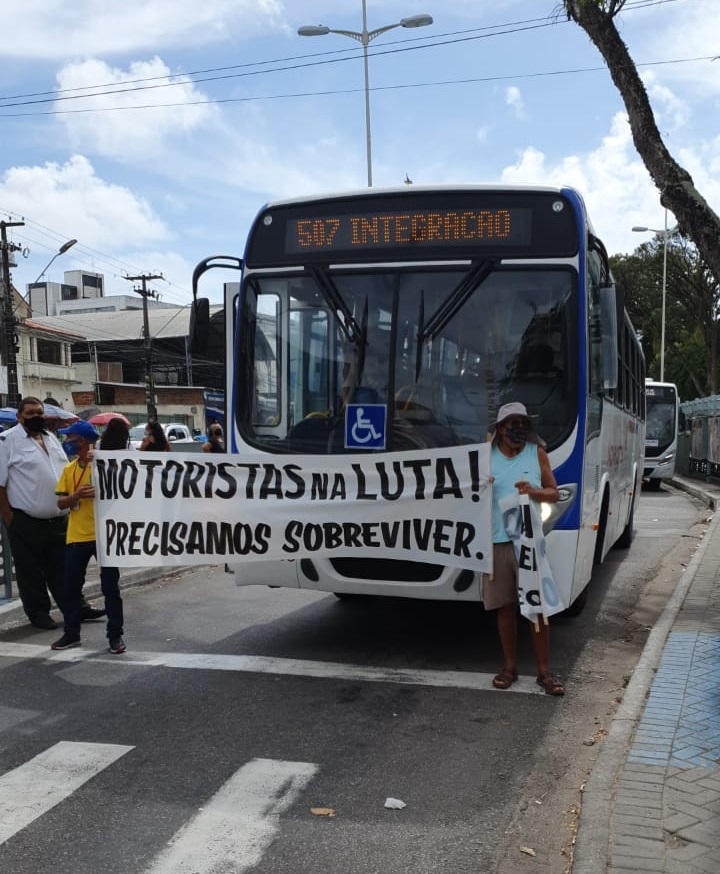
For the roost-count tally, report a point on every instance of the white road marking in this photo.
(32, 789)
(269, 665)
(239, 822)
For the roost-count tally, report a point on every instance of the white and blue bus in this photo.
(436, 306)
(661, 432)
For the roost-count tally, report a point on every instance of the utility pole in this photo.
(145, 293)
(8, 333)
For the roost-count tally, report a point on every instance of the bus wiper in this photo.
(454, 302)
(348, 325)
(419, 341)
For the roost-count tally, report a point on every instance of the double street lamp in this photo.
(665, 235)
(364, 38)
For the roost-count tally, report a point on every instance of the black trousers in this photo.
(38, 550)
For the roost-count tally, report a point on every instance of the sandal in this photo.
(550, 684)
(504, 679)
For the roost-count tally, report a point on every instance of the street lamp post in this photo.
(364, 38)
(61, 251)
(665, 234)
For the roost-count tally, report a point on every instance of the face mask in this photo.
(35, 425)
(71, 448)
(517, 435)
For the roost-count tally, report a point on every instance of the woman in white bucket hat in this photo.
(518, 463)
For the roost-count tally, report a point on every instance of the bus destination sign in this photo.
(442, 228)
(414, 226)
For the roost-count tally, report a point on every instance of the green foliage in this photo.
(692, 300)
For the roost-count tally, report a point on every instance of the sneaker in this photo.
(67, 641)
(89, 614)
(117, 645)
(44, 621)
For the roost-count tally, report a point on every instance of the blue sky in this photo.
(242, 110)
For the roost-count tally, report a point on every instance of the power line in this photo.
(324, 58)
(338, 92)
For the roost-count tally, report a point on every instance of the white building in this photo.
(80, 292)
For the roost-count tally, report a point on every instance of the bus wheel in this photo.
(653, 485)
(626, 538)
(600, 539)
(348, 597)
(578, 605)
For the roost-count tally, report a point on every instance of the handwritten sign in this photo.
(182, 509)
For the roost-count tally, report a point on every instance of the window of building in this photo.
(49, 352)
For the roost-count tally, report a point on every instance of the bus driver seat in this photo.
(537, 381)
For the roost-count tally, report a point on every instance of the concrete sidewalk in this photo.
(11, 610)
(652, 802)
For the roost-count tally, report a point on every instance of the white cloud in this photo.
(116, 132)
(670, 110)
(613, 180)
(51, 30)
(513, 98)
(75, 203)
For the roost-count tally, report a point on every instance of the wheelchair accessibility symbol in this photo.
(365, 426)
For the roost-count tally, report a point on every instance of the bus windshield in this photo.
(661, 422)
(440, 347)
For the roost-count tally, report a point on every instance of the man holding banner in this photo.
(522, 478)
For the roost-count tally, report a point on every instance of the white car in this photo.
(175, 432)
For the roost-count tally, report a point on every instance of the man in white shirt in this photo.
(31, 461)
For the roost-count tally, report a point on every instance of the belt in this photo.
(52, 519)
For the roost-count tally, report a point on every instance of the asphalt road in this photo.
(238, 718)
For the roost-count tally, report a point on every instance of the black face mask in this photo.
(517, 435)
(35, 425)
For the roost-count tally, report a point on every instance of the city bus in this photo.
(430, 307)
(661, 432)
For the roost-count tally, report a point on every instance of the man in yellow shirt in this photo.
(76, 493)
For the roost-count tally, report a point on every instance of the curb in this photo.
(13, 613)
(696, 491)
(592, 842)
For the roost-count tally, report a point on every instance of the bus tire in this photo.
(600, 539)
(653, 485)
(349, 597)
(624, 541)
(578, 605)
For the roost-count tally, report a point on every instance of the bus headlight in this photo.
(550, 513)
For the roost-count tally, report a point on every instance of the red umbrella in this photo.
(104, 418)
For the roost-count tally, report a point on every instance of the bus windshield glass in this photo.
(440, 347)
(660, 425)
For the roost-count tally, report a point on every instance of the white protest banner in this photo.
(538, 593)
(183, 508)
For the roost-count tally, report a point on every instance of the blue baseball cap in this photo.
(81, 429)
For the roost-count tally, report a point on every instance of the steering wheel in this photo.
(399, 394)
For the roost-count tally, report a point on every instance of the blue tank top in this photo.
(508, 471)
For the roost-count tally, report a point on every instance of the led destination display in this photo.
(414, 226)
(410, 228)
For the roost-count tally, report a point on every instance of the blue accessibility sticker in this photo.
(365, 426)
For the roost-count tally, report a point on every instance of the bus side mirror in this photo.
(199, 325)
(609, 331)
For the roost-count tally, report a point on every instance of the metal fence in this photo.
(7, 563)
(701, 440)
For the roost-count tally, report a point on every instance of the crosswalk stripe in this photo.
(32, 789)
(268, 665)
(239, 822)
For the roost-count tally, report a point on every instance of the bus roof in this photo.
(419, 189)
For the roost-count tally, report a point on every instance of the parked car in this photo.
(178, 434)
